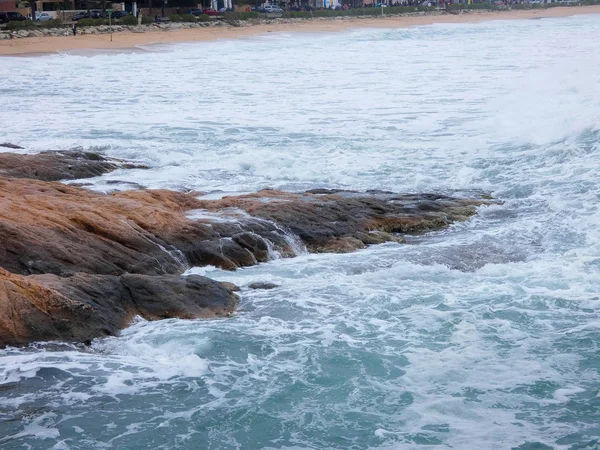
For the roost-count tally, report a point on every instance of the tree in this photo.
(32, 6)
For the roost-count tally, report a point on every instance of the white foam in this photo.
(566, 394)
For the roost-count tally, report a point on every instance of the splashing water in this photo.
(482, 336)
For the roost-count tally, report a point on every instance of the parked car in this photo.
(9, 16)
(42, 17)
(79, 16)
(116, 15)
(96, 14)
(195, 11)
(210, 12)
(273, 9)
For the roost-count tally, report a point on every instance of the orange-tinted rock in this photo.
(95, 260)
(53, 228)
(84, 306)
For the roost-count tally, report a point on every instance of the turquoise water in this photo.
(482, 336)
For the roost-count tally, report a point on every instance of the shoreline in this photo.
(53, 44)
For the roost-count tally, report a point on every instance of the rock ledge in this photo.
(77, 264)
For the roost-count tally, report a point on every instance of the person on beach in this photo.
(74, 29)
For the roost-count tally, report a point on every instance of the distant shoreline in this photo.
(53, 44)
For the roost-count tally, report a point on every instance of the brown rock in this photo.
(230, 286)
(53, 228)
(343, 221)
(83, 307)
(95, 261)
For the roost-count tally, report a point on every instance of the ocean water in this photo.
(483, 336)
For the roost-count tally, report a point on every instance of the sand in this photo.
(44, 45)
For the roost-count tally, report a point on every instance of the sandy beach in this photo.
(43, 45)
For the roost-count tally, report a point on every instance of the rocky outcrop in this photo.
(59, 229)
(262, 285)
(11, 146)
(58, 165)
(79, 264)
(342, 221)
(84, 306)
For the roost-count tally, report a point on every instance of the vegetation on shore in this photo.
(30, 24)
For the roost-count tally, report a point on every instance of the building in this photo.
(56, 9)
(8, 5)
(218, 4)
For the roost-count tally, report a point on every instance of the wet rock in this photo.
(262, 285)
(158, 297)
(62, 165)
(224, 253)
(230, 286)
(79, 264)
(254, 243)
(342, 221)
(9, 145)
(84, 306)
(130, 184)
(53, 228)
(321, 191)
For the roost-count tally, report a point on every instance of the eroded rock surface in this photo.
(79, 264)
(53, 228)
(58, 165)
(84, 306)
(343, 221)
